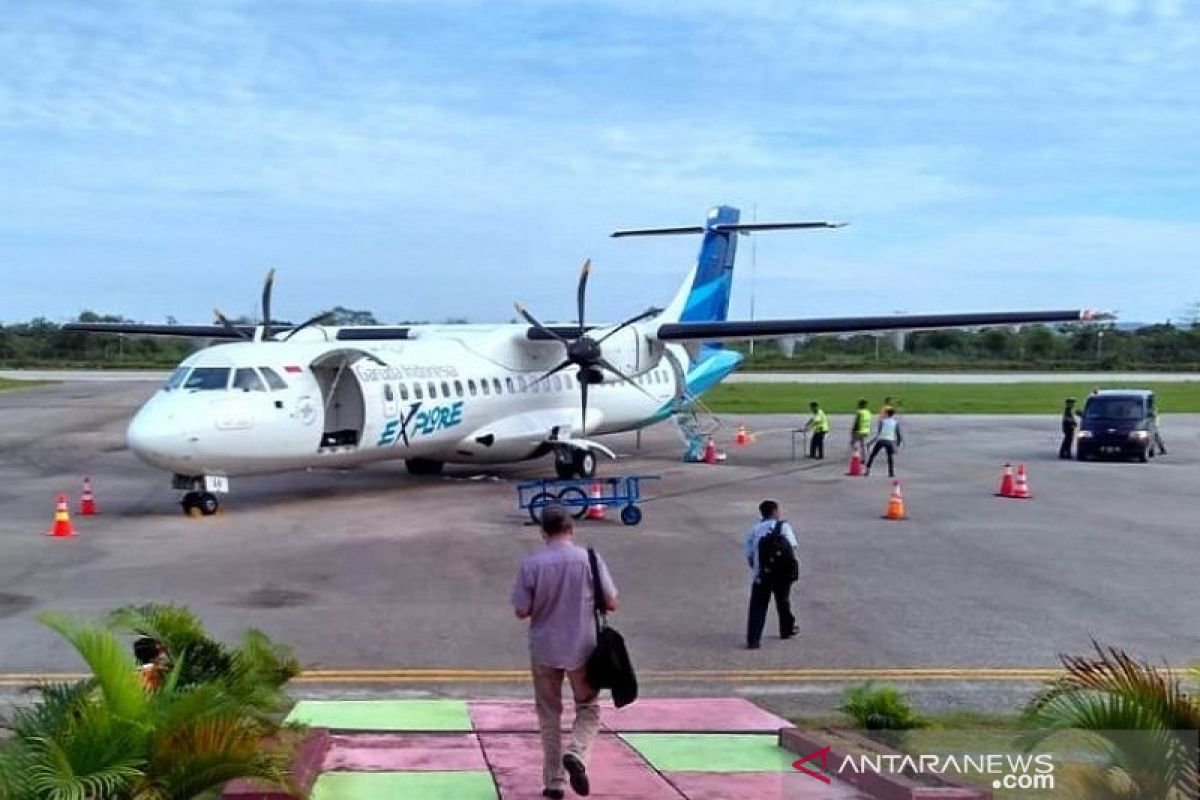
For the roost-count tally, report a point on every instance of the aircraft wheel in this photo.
(424, 466)
(564, 471)
(585, 463)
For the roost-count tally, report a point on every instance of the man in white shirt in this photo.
(887, 438)
(765, 584)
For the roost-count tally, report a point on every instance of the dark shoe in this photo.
(577, 773)
(753, 645)
(554, 794)
(792, 634)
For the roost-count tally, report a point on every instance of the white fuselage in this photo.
(455, 395)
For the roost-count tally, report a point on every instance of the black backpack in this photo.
(776, 560)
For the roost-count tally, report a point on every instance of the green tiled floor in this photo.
(383, 715)
(405, 786)
(711, 752)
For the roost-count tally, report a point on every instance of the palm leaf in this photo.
(112, 666)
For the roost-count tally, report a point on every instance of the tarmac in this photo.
(389, 585)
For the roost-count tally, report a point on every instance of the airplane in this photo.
(275, 397)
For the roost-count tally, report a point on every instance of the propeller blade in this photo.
(268, 284)
(534, 322)
(581, 292)
(227, 324)
(559, 368)
(647, 314)
(324, 315)
(603, 363)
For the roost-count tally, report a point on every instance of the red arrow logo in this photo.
(822, 755)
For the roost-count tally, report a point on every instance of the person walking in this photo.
(818, 427)
(887, 438)
(553, 590)
(860, 431)
(770, 550)
(1070, 424)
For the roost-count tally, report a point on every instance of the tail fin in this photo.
(704, 294)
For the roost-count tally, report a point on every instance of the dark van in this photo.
(1118, 422)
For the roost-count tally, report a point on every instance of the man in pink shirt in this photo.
(553, 590)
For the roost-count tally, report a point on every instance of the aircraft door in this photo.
(341, 398)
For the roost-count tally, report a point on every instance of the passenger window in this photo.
(471, 387)
(175, 379)
(417, 391)
(432, 390)
(485, 386)
(388, 394)
(458, 392)
(445, 389)
(557, 384)
(521, 386)
(207, 379)
(496, 385)
(509, 385)
(404, 391)
(276, 383)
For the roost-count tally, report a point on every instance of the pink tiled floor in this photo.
(758, 785)
(405, 752)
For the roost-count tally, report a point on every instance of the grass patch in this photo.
(931, 398)
(6, 383)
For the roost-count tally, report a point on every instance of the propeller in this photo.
(584, 352)
(263, 331)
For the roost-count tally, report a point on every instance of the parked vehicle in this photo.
(1118, 422)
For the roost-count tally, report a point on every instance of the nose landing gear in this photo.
(200, 504)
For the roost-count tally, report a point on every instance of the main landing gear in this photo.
(574, 463)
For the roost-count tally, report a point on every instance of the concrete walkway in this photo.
(660, 749)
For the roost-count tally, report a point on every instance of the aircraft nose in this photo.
(154, 438)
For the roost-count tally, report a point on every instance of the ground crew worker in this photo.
(888, 402)
(860, 431)
(889, 438)
(818, 425)
(1070, 423)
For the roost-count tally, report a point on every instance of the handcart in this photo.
(622, 491)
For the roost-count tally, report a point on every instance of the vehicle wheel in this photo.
(424, 466)
(538, 502)
(565, 470)
(585, 463)
(1082, 455)
(574, 499)
(208, 504)
(631, 515)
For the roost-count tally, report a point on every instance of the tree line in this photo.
(41, 342)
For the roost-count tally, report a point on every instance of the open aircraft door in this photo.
(342, 398)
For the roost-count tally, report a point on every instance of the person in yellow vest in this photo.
(818, 427)
(860, 431)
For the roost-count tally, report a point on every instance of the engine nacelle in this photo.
(632, 351)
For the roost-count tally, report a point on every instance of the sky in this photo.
(429, 161)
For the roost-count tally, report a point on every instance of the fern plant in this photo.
(879, 708)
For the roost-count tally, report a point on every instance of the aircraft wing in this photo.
(777, 328)
(184, 331)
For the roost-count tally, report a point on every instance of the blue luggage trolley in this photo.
(623, 491)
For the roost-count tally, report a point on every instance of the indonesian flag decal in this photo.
(293, 370)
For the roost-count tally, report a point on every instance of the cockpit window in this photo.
(175, 379)
(247, 380)
(276, 383)
(207, 379)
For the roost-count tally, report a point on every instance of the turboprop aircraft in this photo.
(277, 397)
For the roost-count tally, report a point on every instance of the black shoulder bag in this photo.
(609, 667)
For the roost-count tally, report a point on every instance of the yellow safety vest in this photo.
(862, 422)
(820, 421)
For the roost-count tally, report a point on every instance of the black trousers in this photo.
(816, 446)
(1064, 450)
(760, 599)
(883, 444)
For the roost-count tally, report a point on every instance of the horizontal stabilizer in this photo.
(739, 227)
(772, 328)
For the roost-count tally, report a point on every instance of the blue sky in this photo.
(429, 161)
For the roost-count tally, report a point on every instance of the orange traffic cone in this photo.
(1006, 482)
(62, 519)
(595, 510)
(895, 507)
(856, 466)
(710, 451)
(1021, 485)
(87, 499)
(741, 437)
